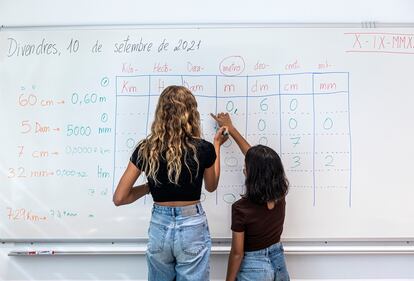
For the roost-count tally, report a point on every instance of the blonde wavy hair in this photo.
(176, 125)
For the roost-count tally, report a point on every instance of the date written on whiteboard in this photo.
(377, 42)
(184, 45)
(140, 45)
(73, 46)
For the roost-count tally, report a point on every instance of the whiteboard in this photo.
(335, 103)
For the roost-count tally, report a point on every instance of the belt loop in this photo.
(198, 209)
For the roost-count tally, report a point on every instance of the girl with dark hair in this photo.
(175, 160)
(258, 217)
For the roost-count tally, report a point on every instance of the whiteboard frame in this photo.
(223, 241)
(367, 24)
(291, 248)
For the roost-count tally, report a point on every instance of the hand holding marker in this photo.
(225, 131)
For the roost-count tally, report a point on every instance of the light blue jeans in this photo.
(179, 244)
(265, 265)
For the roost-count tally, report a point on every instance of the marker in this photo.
(33, 253)
(46, 252)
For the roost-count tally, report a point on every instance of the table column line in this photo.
(280, 120)
(247, 105)
(216, 126)
(350, 148)
(115, 120)
(314, 140)
(148, 109)
(149, 101)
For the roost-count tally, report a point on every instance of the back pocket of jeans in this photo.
(156, 237)
(255, 269)
(193, 238)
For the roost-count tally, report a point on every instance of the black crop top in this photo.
(186, 190)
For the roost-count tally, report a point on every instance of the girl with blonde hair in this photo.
(175, 160)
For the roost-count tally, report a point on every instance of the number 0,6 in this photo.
(229, 106)
(263, 105)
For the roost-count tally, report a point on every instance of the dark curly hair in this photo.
(265, 176)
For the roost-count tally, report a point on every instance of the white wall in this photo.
(46, 12)
(74, 12)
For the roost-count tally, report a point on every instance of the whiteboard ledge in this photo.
(289, 250)
(216, 240)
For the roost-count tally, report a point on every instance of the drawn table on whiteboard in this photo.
(303, 116)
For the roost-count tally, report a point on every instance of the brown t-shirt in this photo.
(262, 227)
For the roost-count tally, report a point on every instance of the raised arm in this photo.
(212, 174)
(125, 192)
(223, 119)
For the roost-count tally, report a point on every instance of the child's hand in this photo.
(221, 136)
(223, 119)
